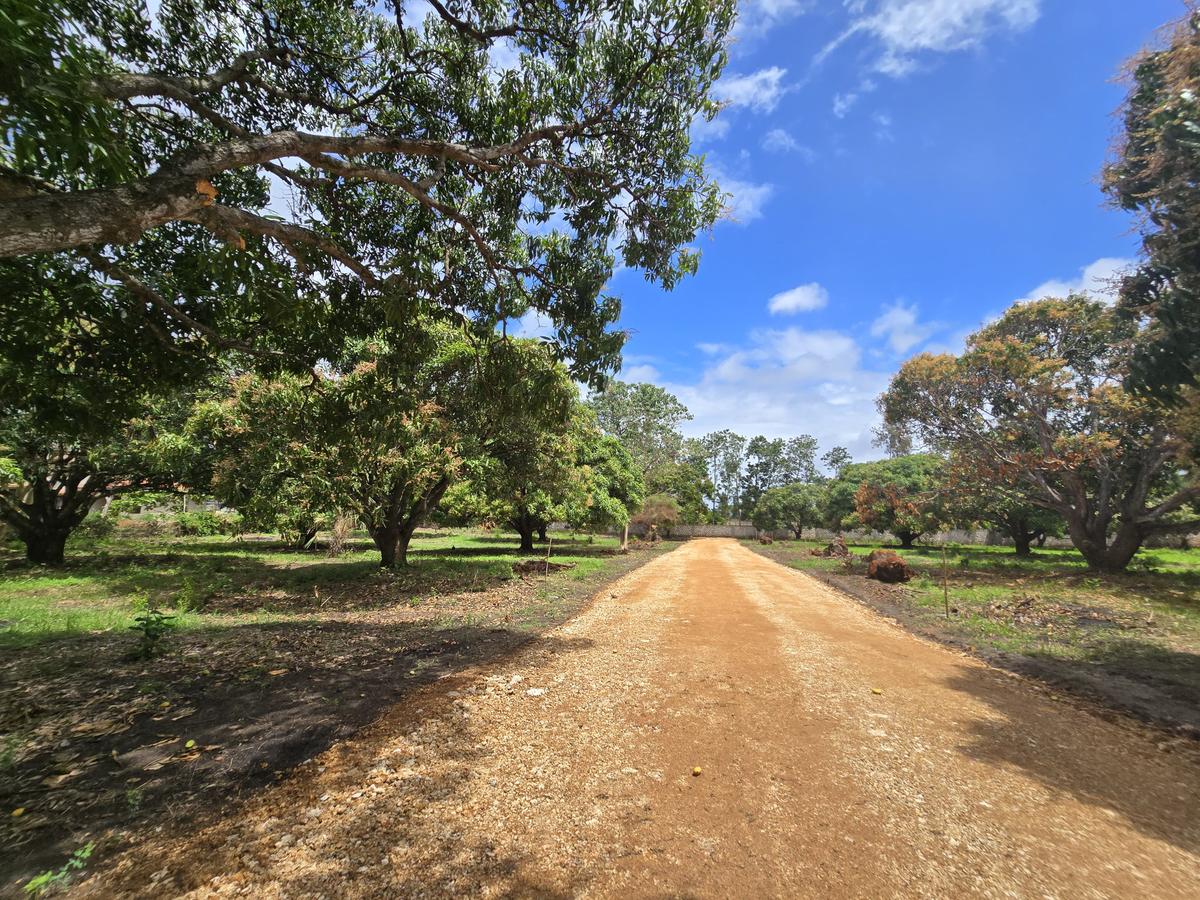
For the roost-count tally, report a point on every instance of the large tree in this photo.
(793, 507)
(261, 449)
(1037, 401)
(486, 159)
(86, 393)
(645, 419)
(1156, 174)
(524, 468)
(901, 495)
(724, 455)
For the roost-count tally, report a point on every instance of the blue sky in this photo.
(902, 170)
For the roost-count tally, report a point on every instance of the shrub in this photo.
(204, 523)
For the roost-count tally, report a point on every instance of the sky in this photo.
(902, 171)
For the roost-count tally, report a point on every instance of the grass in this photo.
(1142, 626)
(214, 582)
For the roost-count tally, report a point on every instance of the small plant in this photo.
(133, 799)
(152, 626)
(339, 535)
(50, 880)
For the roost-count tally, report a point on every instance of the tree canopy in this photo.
(1037, 402)
(485, 160)
(1156, 173)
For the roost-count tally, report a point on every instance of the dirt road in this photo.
(837, 756)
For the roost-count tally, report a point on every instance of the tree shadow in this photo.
(229, 711)
(1155, 792)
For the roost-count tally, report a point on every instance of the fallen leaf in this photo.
(190, 744)
(277, 672)
(18, 812)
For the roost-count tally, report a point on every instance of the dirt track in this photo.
(839, 756)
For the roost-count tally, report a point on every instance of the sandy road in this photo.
(839, 756)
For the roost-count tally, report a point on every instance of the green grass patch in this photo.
(217, 582)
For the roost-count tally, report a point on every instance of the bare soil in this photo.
(115, 747)
(713, 725)
(1118, 687)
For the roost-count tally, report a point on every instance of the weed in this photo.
(50, 880)
(133, 799)
(152, 626)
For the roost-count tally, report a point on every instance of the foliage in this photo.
(774, 463)
(1157, 174)
(971, 500)
(608, 482)
(793, 507)
(50, 880)
(424, 173)
(645, 419)
(836, 459)
(203, 522)
(660, 511)
(723, 452)
(1036, 403)
(152, 625)
(897, 495)
(259, 449)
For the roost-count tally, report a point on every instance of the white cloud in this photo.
(843, 103)
(641, 372)
(805, 298)
(899, 325)
(786, 382)
(778, 140)
(883, 127)
(745, 200)
(704, 131)
(757, 17)
(532, 325)
(759, 90)
(903, 29)
(1097, 279)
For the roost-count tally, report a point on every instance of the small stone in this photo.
(535, 692)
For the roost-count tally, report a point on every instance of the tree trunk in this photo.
(1022, 541)
(45, 547)
(1109, 556)
(391, 552)
(541, 531)
(46, 521)
(799, 533)
(526, 539)
(906, 539)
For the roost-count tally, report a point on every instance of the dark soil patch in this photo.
(539, 567)
(107, 746)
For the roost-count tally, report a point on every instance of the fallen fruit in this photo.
(696, 771)
(876, 691)
(19, 811)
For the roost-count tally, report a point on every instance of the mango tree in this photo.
(1037, 401)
